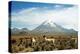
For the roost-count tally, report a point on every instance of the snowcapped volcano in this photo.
(49, 23)
(50, 27)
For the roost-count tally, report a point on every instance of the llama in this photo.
(50, 39)
(33, 40)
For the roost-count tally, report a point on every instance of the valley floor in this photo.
(42, 43)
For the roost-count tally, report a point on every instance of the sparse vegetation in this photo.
(25, 43)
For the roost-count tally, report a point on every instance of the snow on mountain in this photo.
(47, 27)
(51, 27)
(49, 22)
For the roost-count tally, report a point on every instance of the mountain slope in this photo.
(49, 27)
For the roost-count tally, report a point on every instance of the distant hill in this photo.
(48, 27)
(19, 31)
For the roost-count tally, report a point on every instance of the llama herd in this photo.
(34, 40)
(54, 39)
(27, 44)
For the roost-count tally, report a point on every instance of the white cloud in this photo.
(67, 17)
(58, 6)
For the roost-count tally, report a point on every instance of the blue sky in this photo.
(17, 6)
(31, 15)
